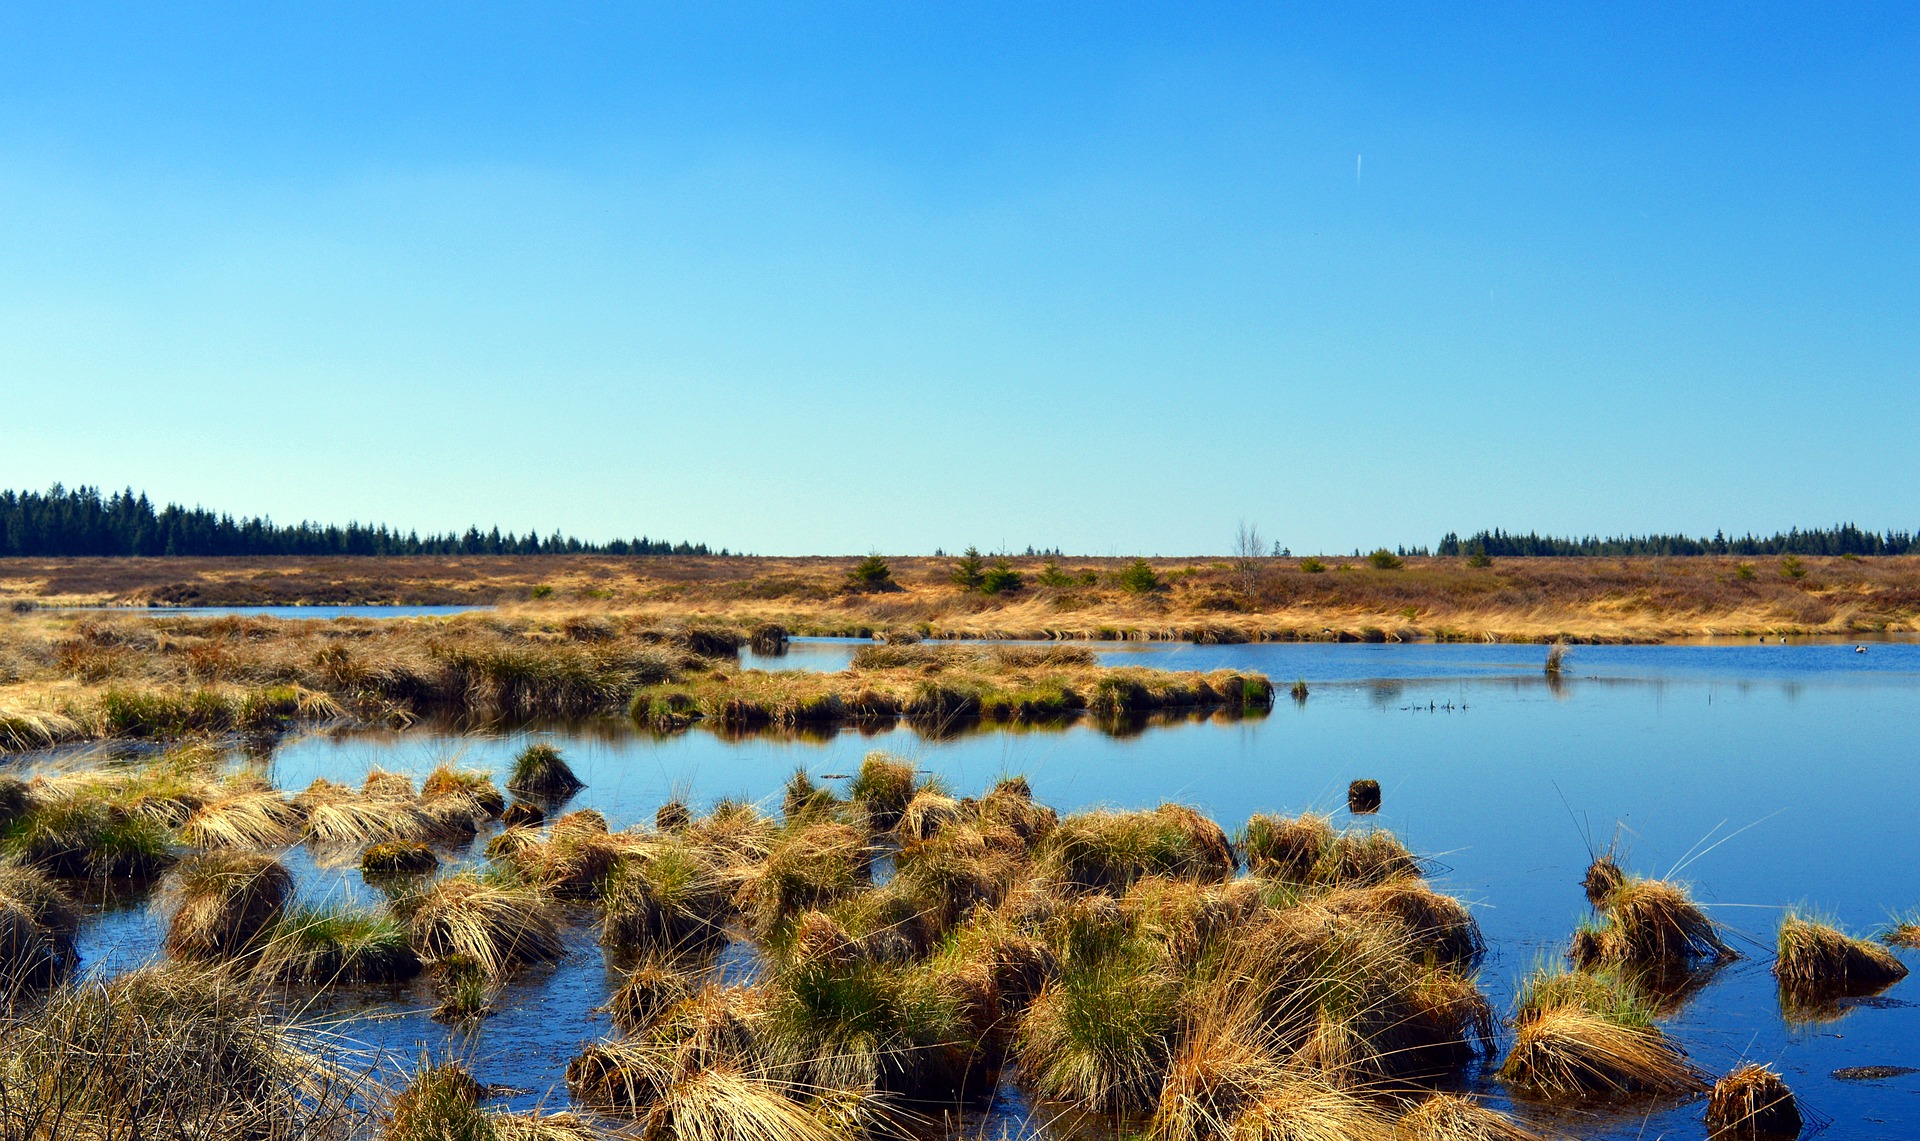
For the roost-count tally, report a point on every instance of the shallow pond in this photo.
(1767, 776)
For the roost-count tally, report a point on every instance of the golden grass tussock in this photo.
(1101, 1034)
(883, 787)
(1647, 922)
(1451, 1117)
(840, 1021)
(1287, 848)
(325, 946)
(1104, 851)
(1354, 995)
(498, 926)
(926, 814)
(220, 903)
(809, 868)
(1011, 805)
(473, 785)
(38, 921)
(1752, 1103)
(1309, 1108)
(339, 816)
(647, 992)
(673, 816)
(1569, 1053)
(670, 898)
(540, 771)
(399, 858)
(523, 814)
(384, 785)
(442, 1103)
(1436, 925)
(577, 857)
(252, 818)
(1590, 1034)
(1819, 961)
(170, 1052)
(1604, 875)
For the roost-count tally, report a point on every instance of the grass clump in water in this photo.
(322, 946)
(37, 926)
(1581, 1035)
(1451, 1117)
(1819, 962)
(169, 1052)
(1752, 1104)
(540, 771)
(883, 786)
(671, 899)
(222, 903)
(1648, 922)
(398, 858)
(74, 835)
(472, 785)
(497, 926)
(1104, 851)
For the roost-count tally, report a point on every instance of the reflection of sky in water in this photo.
(1360, 661)
(1764, 782)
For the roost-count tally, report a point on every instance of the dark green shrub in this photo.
(1139, 578)
(1001, 578)
(872, 574)
(969, 572)
(1384, 559)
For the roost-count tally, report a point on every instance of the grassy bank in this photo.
(1199, 599)
(944, 683)
(147, 675)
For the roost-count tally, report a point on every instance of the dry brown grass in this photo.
(222, 903)
(1752, 1104)
(1532, 599)
(1450, 1117)
(497, 926)
(1645, 922)
(1819, 961)
(37, 925)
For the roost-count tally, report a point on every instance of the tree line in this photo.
(1845, 539)
(63, 523)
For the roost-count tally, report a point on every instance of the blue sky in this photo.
(832, 278)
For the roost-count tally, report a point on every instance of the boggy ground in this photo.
(72, 676)
(1637, 599)
(1137, 973)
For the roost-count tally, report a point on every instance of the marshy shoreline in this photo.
(1070, 598)
(69, 677)
(916, 950)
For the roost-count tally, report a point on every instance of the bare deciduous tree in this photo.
(1248, 550)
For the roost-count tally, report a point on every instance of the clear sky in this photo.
(839, 277)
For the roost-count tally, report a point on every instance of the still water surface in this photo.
(1767, 776)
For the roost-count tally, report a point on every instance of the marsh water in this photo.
(1766, 775)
